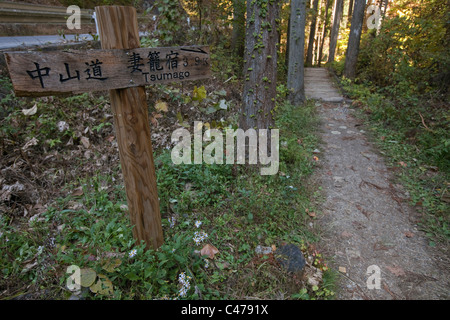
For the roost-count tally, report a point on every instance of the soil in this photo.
(366, 220)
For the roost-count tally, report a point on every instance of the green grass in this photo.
(238, 209)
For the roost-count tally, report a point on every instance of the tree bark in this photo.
(351, 56)
(338, 9)
(312, 34)
(286, 62)
(260, 67)
(238, 36)
(296, 40)
(324, 32)
(350, 12)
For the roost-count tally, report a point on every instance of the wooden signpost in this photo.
(124, 69)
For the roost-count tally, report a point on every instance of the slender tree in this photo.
(338, 9)
(324, 32)
(351, 56)
(260, 67)
(238, 35)
(350, 12)
(296, 40)
(312, 34)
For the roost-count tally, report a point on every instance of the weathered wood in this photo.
(118, 29)
(51, 73)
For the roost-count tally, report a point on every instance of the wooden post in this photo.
(118, 29)
(124, 69)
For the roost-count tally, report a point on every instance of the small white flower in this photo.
(199, 237)
(172, 221)
(183, 279)
(198, 223)
(183, 291)
(132, 253)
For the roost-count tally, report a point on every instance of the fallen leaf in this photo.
(85, 142)
(154, 118)
(111, 264)
(31, 142)
(87, 277)
(398, 271)
(209, 250)
(223, 105)
(31, 111)
(162, 106)
(62, 126)
(103, 285)
(199, 94)
(77, 192)
(342, 269)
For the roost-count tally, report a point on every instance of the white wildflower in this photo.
(132, 253)
(198, 223)
(199, 237)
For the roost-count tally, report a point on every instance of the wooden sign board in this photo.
(52, 73)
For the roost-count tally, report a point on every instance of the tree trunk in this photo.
(296, 40)
(318, 34)
(286, 61)
(238, 36)
(351, 56)
(350, 12)
(312, 34)
(338, 9)
(260, 68)
(324, 32)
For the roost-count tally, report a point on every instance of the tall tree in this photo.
(324, 32)
(350, 12)
(312, 34)
(238, 35)
(296, 40)
(260, 68)
(351, 56)
(338, 9)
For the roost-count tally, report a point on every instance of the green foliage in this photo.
(411, 54)
(169, 22)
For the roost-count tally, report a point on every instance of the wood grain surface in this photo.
(118, 29)
(73, 71)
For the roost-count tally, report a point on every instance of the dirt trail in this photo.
(366, 221)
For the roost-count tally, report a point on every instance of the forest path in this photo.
(366, 223)
(318, 85)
